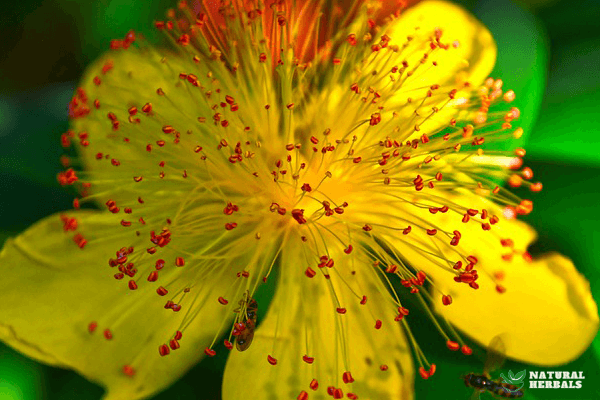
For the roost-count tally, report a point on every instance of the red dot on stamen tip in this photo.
(424, 374)
(303, 395)
(446, 300)
(378, 324)
(466, 350)
(128, 370)
(307, 359)
(108, 334)
(174, 344)
(383, 367)
(162, 291)
(228, 344)
(338, 393)
(347, 377)
(314, 384)
(209, 352)
(132, 285)
(432, 369)
(179, 261)
(363, 301)
(163, 350)
(452, 345)
(92, 327)
(341, 310)
(271, 360)
(352, 396)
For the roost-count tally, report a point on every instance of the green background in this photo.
(549, 53)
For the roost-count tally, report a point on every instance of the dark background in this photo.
(549, 53)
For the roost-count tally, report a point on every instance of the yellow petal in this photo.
(303, 313)
(547, 315)
(52, 290)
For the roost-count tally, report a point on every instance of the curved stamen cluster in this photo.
(216, 159)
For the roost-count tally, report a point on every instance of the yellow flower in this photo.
(342, 150)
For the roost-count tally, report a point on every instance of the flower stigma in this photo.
(349, 150)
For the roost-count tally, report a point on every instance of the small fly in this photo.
(483, 383)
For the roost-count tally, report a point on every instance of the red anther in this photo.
(163, 350)
(310, 272)
(179, 261)
(486, 227)
(174, 344)
(466, 218)
(223, 301)
(329, 263)
(351, 396)
(378, 324)
(351, 39)
(520, 152)
(432, 369)
(341, 310)
(168, 129)
(536, 187)
(527, 173)
(500, 289)
(452, 345)
(132, 285)
(433, 210)
(303, 395)
(363, 301)
(367, 228)
(169, 304)
(466, 350)
(153, 276)
(159, 264)
(356, 160)
(454, 241)
(431, 232)
(271, 360)
(375, 119)
(472, 259)
(209, 352)
(474, 285)
(119, 276)
(347, 377)
(446, 299)
(472, 212)
(162, 291)
(338, 393)
(406, 230)
(383, 367)
(403, 310)
(178, 335)
(298, 215)
(228, 344)
(125, 223)
(307, 359)
(421, 277)
(398, 317)
(128, 370)
(107, 334)
(391, 268)
(424, 374)
(314, 384)
(348, 250)
(525, 207)
(92, 327)
(230, 225)
(515, 181)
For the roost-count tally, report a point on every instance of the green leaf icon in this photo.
(520, 376)
(511, 376)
